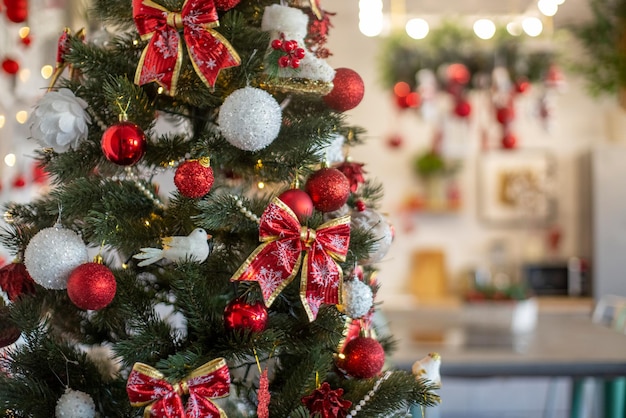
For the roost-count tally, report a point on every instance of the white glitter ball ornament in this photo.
(52, 254)
(376, 224)
(59, 120)
(75, 404)
(250, 119)
(358, 298)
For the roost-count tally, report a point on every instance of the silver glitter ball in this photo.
(75, 404)
(52, 254)
(358, 298)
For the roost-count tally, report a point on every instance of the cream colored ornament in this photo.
(428, 368)
(194, 246)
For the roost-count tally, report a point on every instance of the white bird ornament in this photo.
(194, 246)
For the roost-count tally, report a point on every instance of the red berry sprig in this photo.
(292, 52)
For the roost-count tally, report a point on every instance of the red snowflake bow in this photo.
(277, 260)
(161, 60)
(146, 386)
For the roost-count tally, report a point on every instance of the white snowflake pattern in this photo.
(285, 254)
(323, 275)
(314, 303)
(149, 73)
(269, 279)
(339, 242)
(167, 45)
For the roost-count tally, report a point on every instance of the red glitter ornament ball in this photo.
(329, 189)
(10, 66)
(91, 286)
(124, 143)
(509, 141)
(223, 5)
(348, 90)
(240, 315)
(194, 178)
(299, 202)
(363, 357)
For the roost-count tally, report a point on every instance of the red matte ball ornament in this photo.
(194, 178)
(91, 286)
(462, 108)
(240, 315)
(329, 189)
(348, 90)
(10, 66)
(124, 143)
(362, 357)
(509, 141)
(299, 202)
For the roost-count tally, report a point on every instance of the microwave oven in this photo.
(558, 278)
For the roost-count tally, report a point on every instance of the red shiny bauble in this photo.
(458, 73)
(9, 333)
(299, 202)
(16, 10)
(505, 115)
(91, 286)
(348, 90)
(240, 315)
(224, 5)
(329, 189)
(124, 143)
(10, 66)
(362, 357)
(509, 141)
(194, 178)
(462, 108)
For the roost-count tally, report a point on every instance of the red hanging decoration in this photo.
(299, 202)
(194, 178)
(240, 315)
(10, 66)
(362, 357)
(329, 189)
(290, 51)
(16, 10)
(162, 58)
(15, 280)
(263, 395)
(91, 286)
(354, 173)
(348, 90)
(147, 386)
(327, 403)
(123, 143)
(275, 263)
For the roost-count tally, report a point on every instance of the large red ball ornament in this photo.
(509, 141)
(505, 115)
(240, 315)
(329, 189)
(362, 357)
(194, 178)
(124, 143)
(299, 202)
(91, 286)
(16, 10)
(348, 90)
(10, 66)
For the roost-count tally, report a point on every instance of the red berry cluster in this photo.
(293, 53)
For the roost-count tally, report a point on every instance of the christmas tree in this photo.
(244, 288)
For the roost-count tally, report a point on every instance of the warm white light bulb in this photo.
(371, 17)
(3, 120)
(532, 26)
(417, 28)
(46, 71)
(484, 28)
(24, 75)
(548, 7)
(9, 160)
(21, 116)
(514, 28)
(371, 27)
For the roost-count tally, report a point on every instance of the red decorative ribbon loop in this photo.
(275, 262)
(147, 387)
(161, 60)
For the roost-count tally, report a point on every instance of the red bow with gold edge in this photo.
(147, 387)
(276, 261)
(161, 59)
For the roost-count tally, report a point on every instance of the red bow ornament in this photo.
(147, 387)
(161, 59)
(275, 262)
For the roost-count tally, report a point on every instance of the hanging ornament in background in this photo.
(428, 368)
(358, 298)
(52, 254)
(224, 5)
(9, 332)
(348, 90)
(299, 202)
(75, 404)
(15, 280)
(362, 357)
(462, 108)
(405, 98)
(60, 120)
(16, 10)
(91, 286)
(194, 246)
(395, 141)
(10, 66)
(19, 181)
(123, 143)
(329, 189)
(457, 73)
(194, 178)
(250, 119)
(509, 141)
(354, 173)
(240, 315)
(375, 224)
(325, 402)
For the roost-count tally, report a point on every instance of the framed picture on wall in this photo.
(516, 187)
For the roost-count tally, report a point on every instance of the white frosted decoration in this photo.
(59, 120)
(250, 119)
(75, 404)
(357, 298)
(428, 368)
(52, 254)
(376, 224)
(293, 22)
(333, 152)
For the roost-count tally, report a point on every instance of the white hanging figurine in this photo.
(194, 247)
(428, 368)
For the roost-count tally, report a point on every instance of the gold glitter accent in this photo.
(298, 85)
